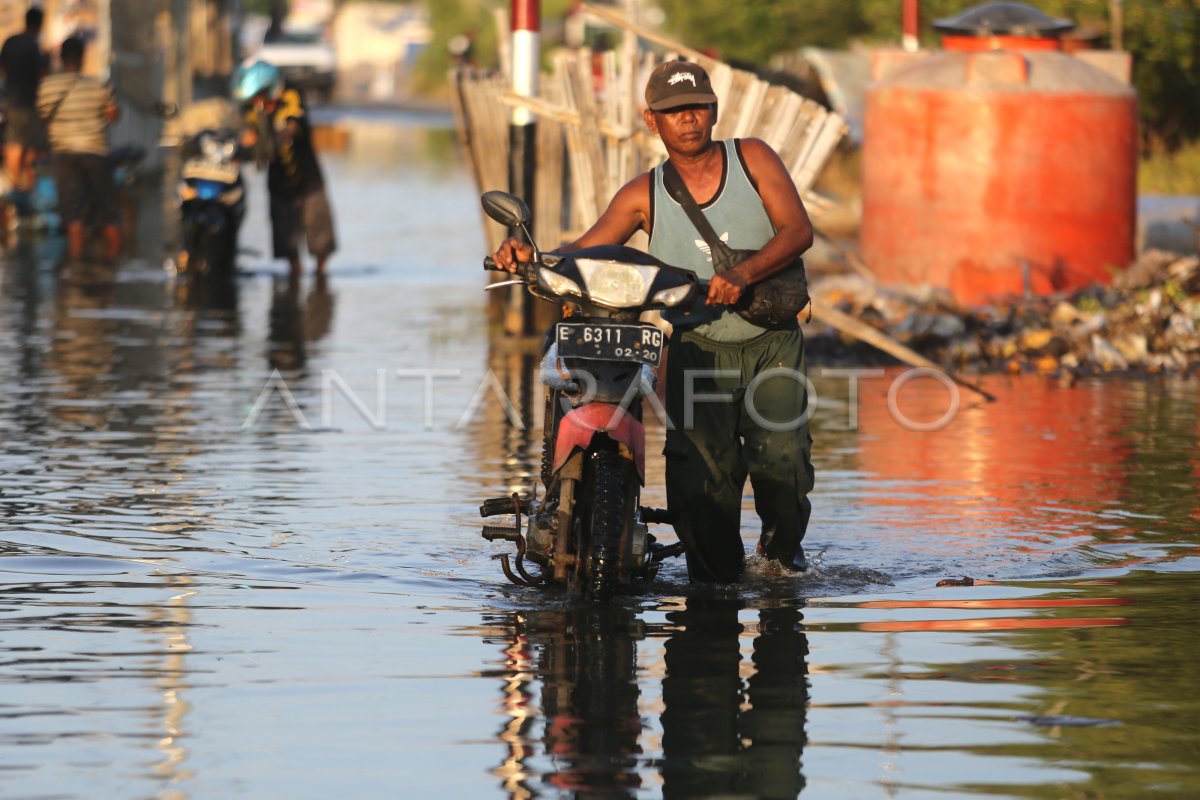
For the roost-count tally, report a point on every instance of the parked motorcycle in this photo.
(212, 198)
(588, 531)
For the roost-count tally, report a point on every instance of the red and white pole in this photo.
(522, 130)
(910, 40)
(526, 65)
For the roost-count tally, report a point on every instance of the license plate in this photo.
(221, 173)
(642, 343)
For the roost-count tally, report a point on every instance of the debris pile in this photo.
(1147, 321)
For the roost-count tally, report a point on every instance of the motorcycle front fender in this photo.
(579, 427)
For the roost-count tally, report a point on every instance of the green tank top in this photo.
(737, 215)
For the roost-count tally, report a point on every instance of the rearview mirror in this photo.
(507, 209)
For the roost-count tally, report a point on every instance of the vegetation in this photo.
(1164, 171)
(751, 31)
(471, 18)
(261, 6)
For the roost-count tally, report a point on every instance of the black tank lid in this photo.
(1003, 19)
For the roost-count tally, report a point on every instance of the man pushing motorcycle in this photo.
(736, 391)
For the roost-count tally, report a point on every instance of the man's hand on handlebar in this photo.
(510, 252)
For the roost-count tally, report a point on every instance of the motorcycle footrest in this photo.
(502, 505)
(655, 515)
(666, 551)
(494, 532)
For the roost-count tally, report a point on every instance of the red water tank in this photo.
(1000, 164)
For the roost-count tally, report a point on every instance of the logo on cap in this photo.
(680, 77)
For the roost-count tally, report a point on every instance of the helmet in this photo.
(251, 79)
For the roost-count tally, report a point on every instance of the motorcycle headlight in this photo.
(558, 284)
(228, 149)
(210, 147)
(615, 284)
(673, 296)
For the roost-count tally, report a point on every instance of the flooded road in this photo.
(241, 556)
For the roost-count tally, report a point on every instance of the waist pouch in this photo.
(773, 302)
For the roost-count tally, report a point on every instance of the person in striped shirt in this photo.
(77, 111)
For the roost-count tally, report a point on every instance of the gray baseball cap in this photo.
(678, 83)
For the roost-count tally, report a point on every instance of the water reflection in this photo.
(1120, 705)
(285, 338)
(23, 287)
(994, 623)
(82, 350)
(173, 682)
(1046, 476)
(583, 717)
(733, 727)
(204, 293)
(580, 666)
(513, 376)
(294, 325)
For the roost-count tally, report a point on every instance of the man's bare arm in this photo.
(627, 213)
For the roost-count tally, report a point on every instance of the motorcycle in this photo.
(212, 202)
(588, 531)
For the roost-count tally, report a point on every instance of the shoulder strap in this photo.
(60, 101)
(679, 191)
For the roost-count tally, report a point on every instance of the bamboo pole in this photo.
(548, 206)
(566, 115)
(619, 20)
(877, 339)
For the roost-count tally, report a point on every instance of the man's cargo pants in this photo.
(738, 409)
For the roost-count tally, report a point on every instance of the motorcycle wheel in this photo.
(609, 496)
(210, 255)
(199, 254)
(220, 256)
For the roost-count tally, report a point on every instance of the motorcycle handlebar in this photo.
(490, 264)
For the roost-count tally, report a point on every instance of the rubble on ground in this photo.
(1147, 321)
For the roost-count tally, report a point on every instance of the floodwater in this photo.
(241, 556)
